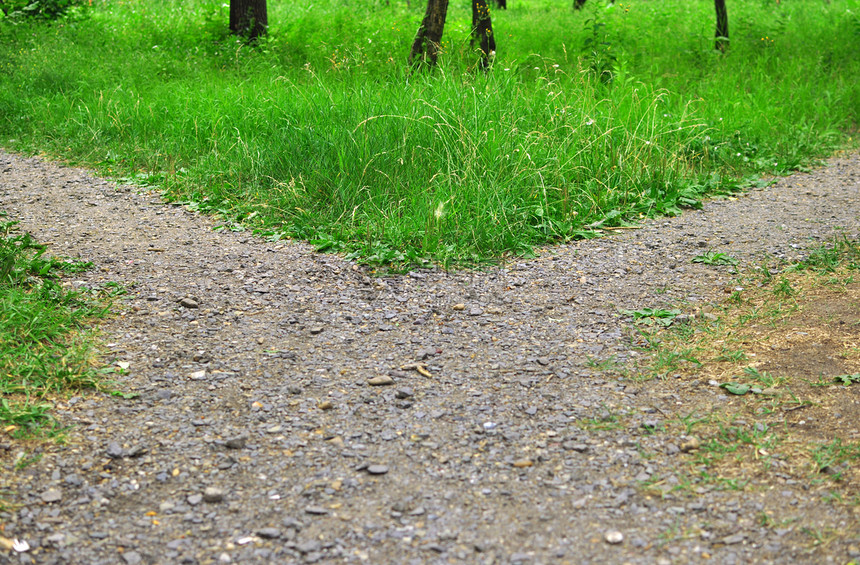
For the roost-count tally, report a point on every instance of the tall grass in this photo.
(321, 131)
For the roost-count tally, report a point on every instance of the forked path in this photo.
(261, 395)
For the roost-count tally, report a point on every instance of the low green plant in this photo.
(653, 316)
(847, 380)
(715, 258)
(827, 258)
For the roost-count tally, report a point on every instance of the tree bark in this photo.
(425, 48)
(722, 33)
(249, 18)
(482, 31)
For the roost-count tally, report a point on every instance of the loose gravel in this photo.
(293, 409)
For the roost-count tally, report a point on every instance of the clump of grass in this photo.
(44, 346)
(321, 132)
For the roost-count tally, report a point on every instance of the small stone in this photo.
(194, 499)
(543, 361)
(613, 537)
(377, 469)
(475, 311)
(269, 533)
(690, 444)
(197, 375)
(114, 450)
(52, 495)
(213, 494)
(316, 510)
(225, 558)
(189, 303)
(326, 405)
(459, 307)
(308, 546)
(574, 446)
(316, 330)
(132, 557)
(236, 442)
(733, 539)
(521, 463)
(404, 392)
(381, 380)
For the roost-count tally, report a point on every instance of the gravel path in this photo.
(265, 430)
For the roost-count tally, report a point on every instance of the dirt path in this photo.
(258, 437)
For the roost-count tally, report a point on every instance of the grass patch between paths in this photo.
(585, 121)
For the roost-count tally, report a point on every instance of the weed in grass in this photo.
(731, 355)
(828, 258)
(783, 288)
(832, 458)
(715, 258)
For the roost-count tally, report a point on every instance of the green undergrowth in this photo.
(46, 344)
(584, 121)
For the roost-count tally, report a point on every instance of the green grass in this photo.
(586, 119)
(44, 344)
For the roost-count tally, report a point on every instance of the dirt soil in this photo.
(293, 409)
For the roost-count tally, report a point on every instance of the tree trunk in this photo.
(482, 31)
(722, 33)
(248, 18)
(425, 48)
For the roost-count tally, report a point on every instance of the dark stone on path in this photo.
(269, 533)
(236, 442)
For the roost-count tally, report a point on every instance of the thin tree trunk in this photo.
(722, 33)
(502, 4)
(482, 31)
(425, 48)
(578, 4)
(249, 18)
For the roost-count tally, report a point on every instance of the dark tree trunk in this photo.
(248, 18)
(722, 33)
(425, 48)
(482, 31)
(578, 4)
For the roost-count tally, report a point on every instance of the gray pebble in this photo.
(213, 494)
(377, 469)
(269, 533)
(52, 495)
(114, 450)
